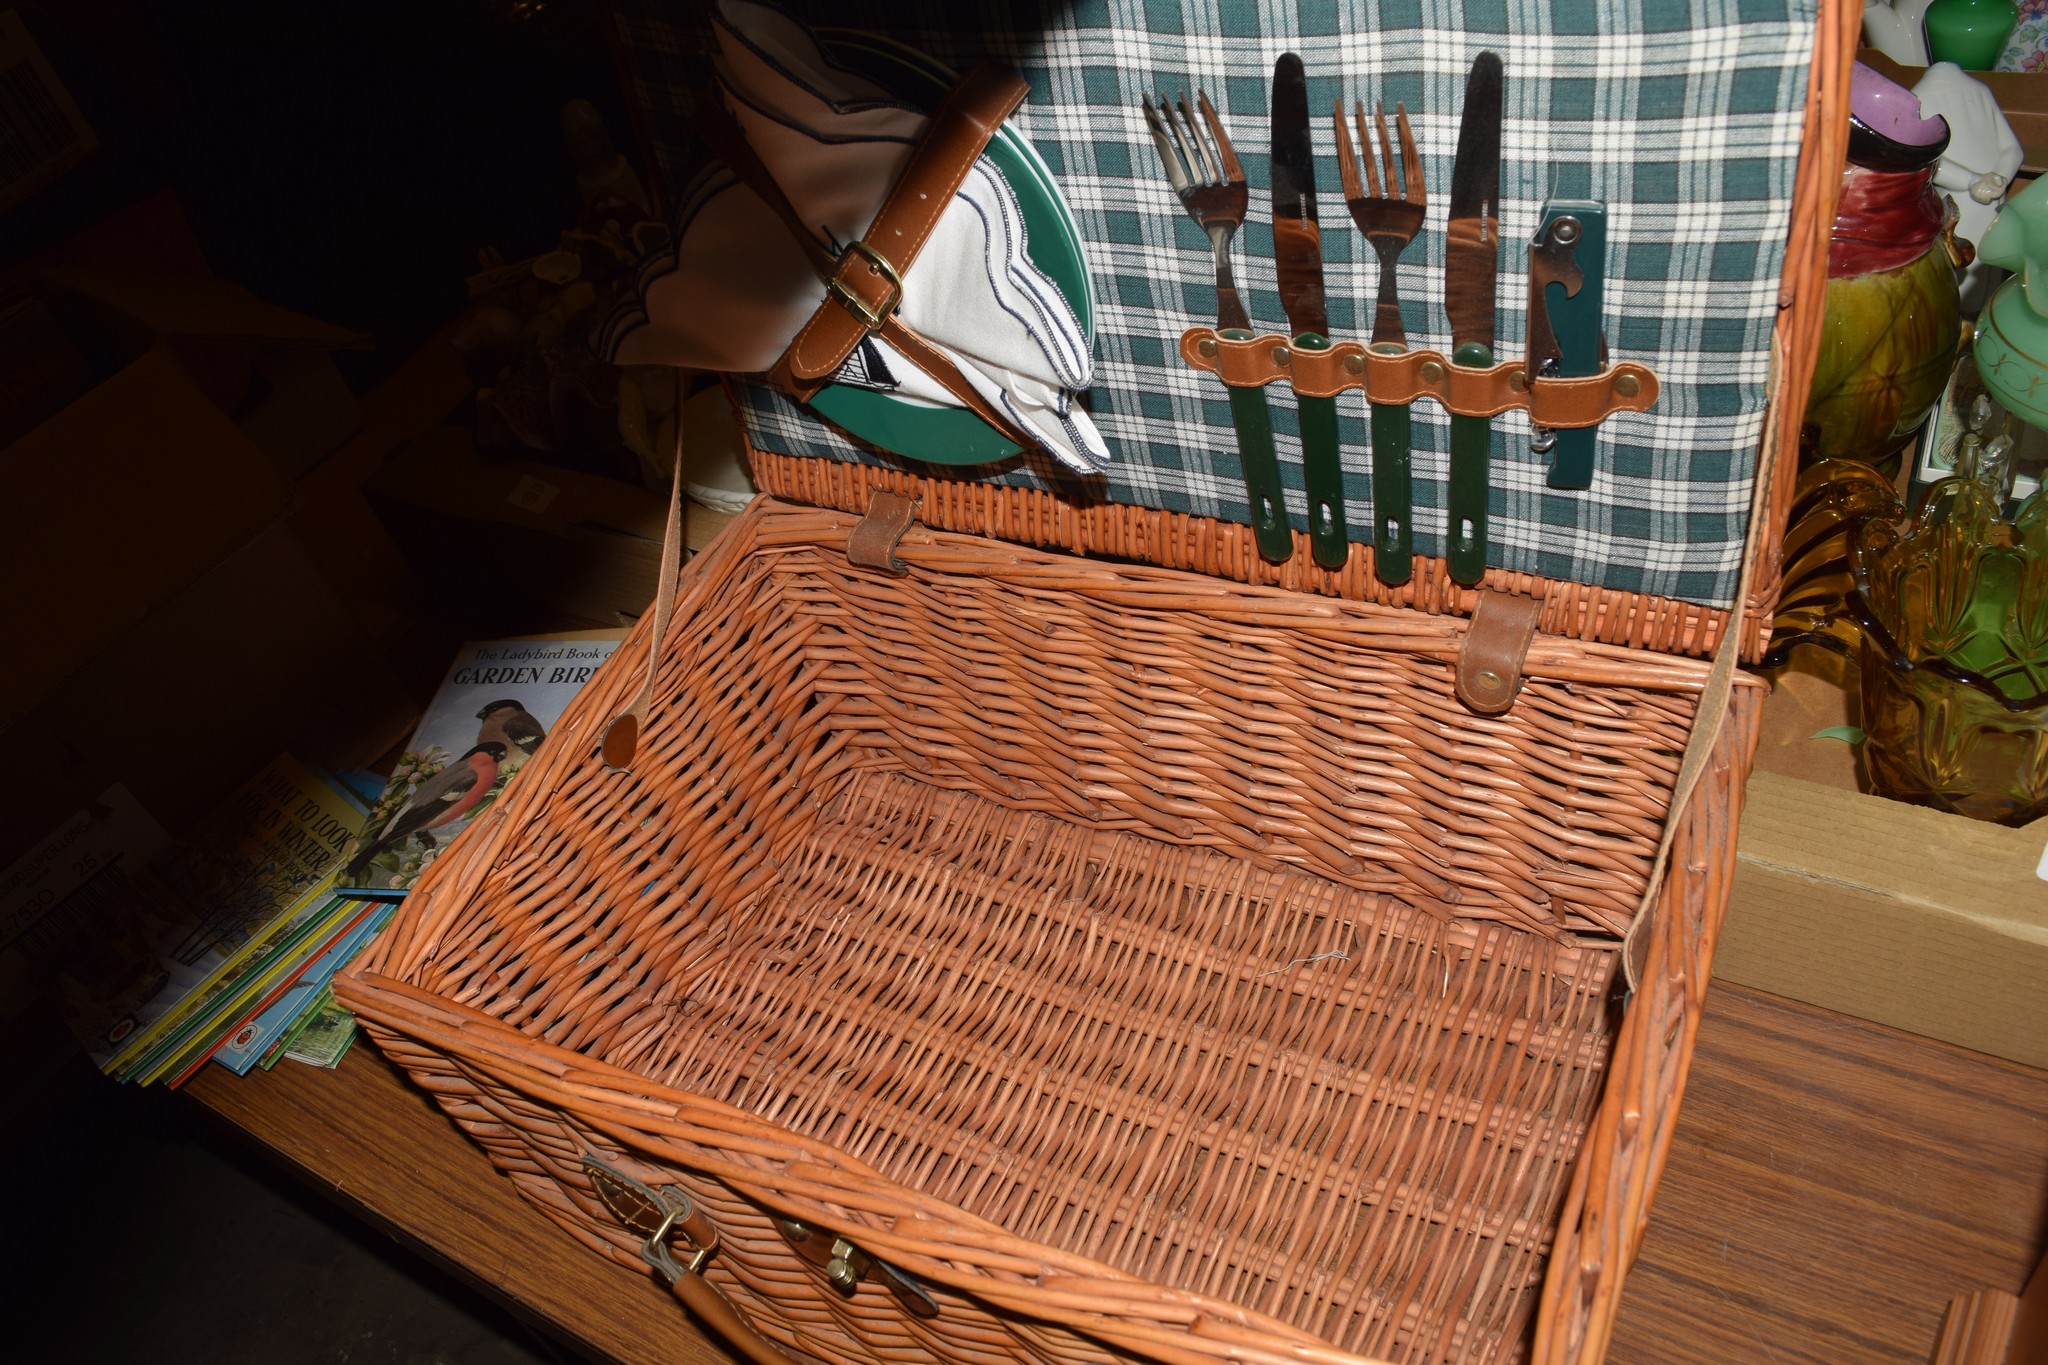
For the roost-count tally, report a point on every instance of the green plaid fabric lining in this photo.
(1684, 118)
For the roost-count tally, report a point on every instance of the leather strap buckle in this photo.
(871, 316)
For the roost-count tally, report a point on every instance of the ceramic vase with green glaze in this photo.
(1894, 316)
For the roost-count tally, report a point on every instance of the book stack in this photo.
(159, 951)
(221, 947)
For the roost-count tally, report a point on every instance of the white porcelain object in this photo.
(1897, 30)
(1983, 156)
(714, 459)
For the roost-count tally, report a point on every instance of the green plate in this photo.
(919, 431)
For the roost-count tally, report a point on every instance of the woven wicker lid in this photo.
(1714, 140)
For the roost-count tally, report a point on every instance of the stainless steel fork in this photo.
(1389, 215)
(1204, 172)
(1203, 169)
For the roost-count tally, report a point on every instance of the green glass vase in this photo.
(1970, 33)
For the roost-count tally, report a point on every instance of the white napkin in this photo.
(736, 289)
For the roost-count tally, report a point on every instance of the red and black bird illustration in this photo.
(507, 722)
(446, 796)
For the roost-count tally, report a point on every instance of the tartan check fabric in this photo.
(1682, 116)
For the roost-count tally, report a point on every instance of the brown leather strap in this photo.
(647, 1210)
(622, 737)
(1404, 376)
(656, 1213)
(953, 141)
(872, 543)
(1490, 661)
(864, 283)
(704, 1300)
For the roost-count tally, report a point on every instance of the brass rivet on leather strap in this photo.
(1518, 381)
(1432, 372)
(1488, 678)
(1206, 346)
(1282, 356)
(1627, 385)
(1354, 364)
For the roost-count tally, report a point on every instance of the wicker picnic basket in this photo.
(1092, 941)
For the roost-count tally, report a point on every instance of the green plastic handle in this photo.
(1471, 478)
(1393, 503)
(1322, 470)
(1575, 322)
(1261, 466)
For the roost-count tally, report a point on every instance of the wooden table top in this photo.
(1832, 1184)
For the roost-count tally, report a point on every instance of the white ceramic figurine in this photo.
(1982, 157)
(1896, 30)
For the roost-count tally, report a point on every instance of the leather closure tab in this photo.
(1489, 671)
(872, 543)
(1398, 377)
(845, 1266)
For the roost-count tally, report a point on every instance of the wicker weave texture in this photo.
(1224, 549)
(987, 918)
(1294, 730)
(1186, 928)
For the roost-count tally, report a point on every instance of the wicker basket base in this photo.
(1190, 1068)
(1151, 967)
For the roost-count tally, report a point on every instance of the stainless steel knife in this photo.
(1298, 252)
(1471, 262)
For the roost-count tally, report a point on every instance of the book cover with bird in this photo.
(489, 717)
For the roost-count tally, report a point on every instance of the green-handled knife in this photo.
(1298, 252)
(1471, 262)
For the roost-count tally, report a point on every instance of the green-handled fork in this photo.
(1204, 172)
(1389, 217)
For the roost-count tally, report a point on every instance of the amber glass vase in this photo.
(1946, 613)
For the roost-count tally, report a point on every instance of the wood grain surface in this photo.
(1832, 1184)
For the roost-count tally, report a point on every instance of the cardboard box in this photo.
(268, 368)
(2022, 96)
(1915, 918)
(498, 538)
(258, 654)
(112, 507)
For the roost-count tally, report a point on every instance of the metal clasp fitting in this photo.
(656, 1252)
(877, 262)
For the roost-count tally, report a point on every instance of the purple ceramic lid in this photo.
(1887, 129)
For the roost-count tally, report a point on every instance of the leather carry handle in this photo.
(716, 1311)
(864, 283)
(656, 1213)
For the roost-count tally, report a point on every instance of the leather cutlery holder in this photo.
(1408, 375)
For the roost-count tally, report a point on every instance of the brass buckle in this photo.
(870, 319)
(657, 1254)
